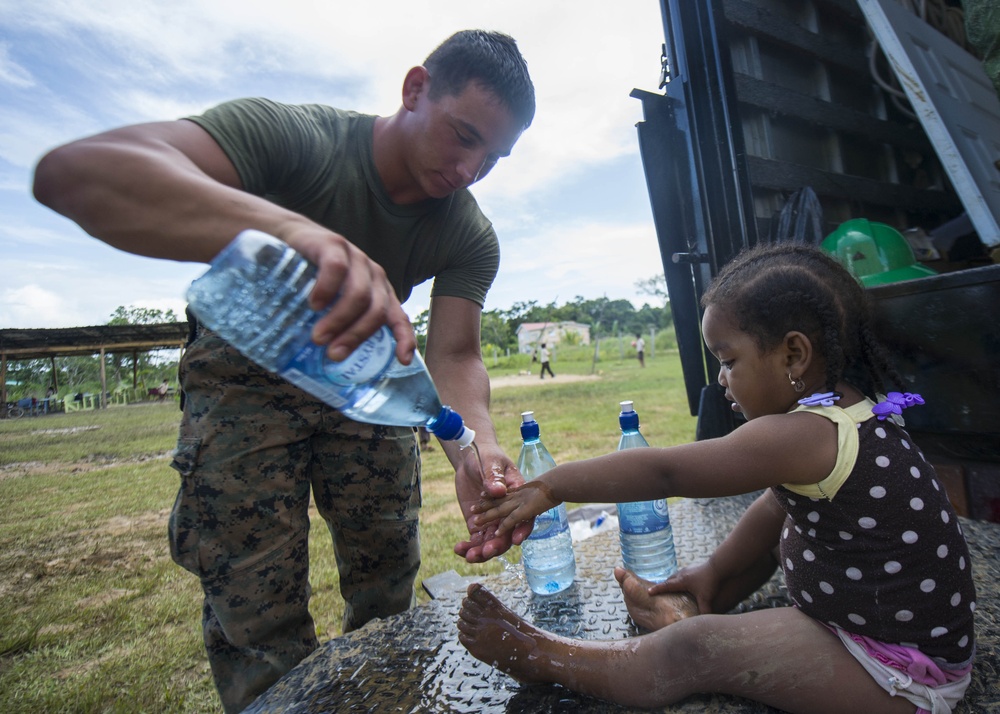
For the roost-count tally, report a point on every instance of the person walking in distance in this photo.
(543, 355)
(640, 350)
(379, 204)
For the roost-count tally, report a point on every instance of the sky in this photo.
(569, 205)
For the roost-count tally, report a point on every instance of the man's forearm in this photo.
(464, 385)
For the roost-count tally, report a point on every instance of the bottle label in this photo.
(550, 524)
(365, 364)
(333, 382)
(643, 516)
(302, 372)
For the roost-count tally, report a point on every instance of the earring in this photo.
(797, 384)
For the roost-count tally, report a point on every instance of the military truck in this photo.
(786, 119)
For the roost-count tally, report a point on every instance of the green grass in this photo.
(94, 615)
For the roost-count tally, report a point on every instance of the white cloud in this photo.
(11, 73)
(86, 287)
(30, 305)
(557, 262)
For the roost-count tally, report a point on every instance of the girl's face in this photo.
(756, 383)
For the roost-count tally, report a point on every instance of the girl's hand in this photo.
(519, 505)
(700, 580)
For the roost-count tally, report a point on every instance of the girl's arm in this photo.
(785, 448)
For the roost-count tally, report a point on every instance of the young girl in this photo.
(872, 552)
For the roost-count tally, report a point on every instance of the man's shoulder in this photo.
(265, 108)
(462, 205)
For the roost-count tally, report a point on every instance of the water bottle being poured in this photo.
(255, 296)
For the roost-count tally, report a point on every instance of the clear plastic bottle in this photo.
(255, 296)
(547, 554)
(647, 540)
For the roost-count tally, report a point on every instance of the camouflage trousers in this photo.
(250, 450)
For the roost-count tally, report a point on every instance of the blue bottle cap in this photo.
(529, 427)
(628, 419)
(449, 426)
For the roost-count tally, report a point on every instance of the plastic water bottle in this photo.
(255, 296)
(647, 540)
(547, 554)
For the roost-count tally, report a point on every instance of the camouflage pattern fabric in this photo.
(251, 448)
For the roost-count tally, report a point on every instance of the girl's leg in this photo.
(777, 656)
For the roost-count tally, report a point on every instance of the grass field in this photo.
(94, 615)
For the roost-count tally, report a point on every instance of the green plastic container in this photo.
(875, 253)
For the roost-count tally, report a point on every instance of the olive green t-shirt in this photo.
(317, 161)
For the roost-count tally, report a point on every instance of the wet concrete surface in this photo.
(414, 663)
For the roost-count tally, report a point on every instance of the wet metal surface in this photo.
(414, 663)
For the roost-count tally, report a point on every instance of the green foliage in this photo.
(495, 329)
(133, 315)
(148, 368)
(420, 329)
(655, 286)
(572, 339)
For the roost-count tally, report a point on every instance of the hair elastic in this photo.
(820, 399)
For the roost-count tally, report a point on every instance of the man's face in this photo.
(459, 139)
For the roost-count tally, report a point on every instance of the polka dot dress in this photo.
(885, 557)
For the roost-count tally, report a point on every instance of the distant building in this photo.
(532, 334)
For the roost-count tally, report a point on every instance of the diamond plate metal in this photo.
(414, 663)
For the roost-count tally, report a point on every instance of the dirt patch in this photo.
(532, 380)
(69, 430)
(121, 525)
(38, 468)
(102, 599)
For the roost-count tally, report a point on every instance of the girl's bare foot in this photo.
(652, 612)
(501, 639)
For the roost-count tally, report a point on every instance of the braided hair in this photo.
(773, 289)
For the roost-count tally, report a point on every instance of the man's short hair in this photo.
(491, 58)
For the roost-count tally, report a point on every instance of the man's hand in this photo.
(363, 299)
(500, 475)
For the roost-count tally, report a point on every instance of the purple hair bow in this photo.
(895, 403)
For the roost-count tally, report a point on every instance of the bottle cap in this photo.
(448, 426)
(628, 419)
(529, 427)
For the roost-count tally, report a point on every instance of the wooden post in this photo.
(3, 380)
(55, 374)
(104, 382)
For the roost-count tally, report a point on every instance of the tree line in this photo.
(607, 318)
